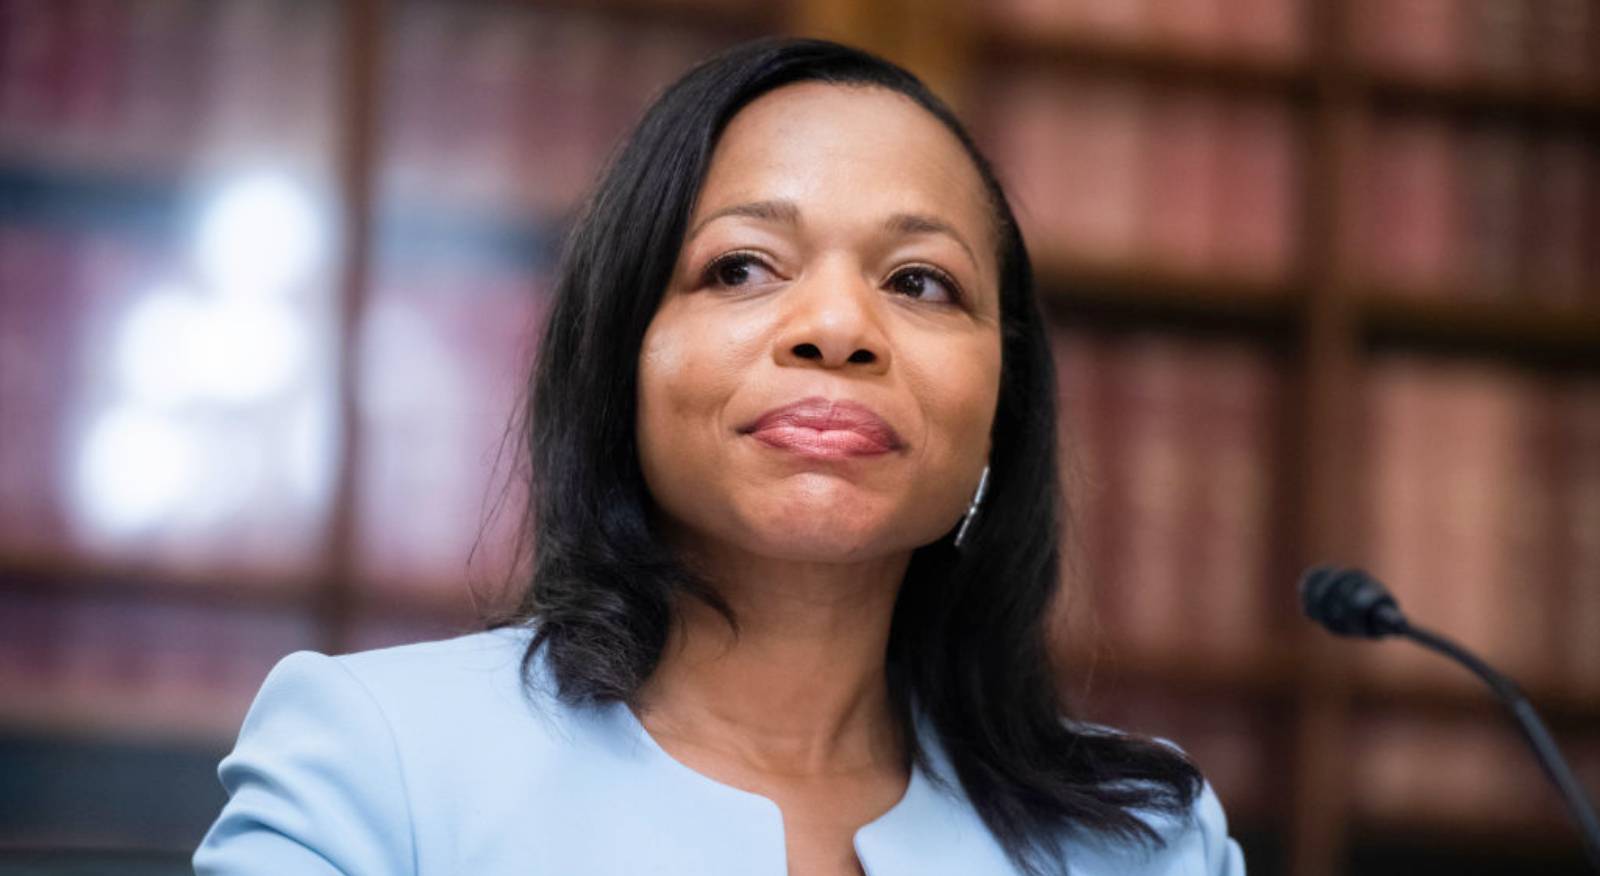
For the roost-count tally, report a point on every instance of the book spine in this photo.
(1154, 480)
(1499, 40)
(1231, 453)
(1566, 33)
(1258, 185)
(1580, 494)
(1100, 157)
(1425, 40)
(1495, 180)
(1412, 189)
(1273, 31)
(1180, 203)
(1560, 208)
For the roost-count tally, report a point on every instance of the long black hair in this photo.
(967, 649)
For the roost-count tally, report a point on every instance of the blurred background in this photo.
(1325, 281)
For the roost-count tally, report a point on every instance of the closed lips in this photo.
(826, 428)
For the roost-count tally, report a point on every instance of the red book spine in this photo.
(1559, 210)
(1499, 41)
(1100, 162)
(1024, 129)
(1414, 39)
(1258, 207)
(1154, 481)
(1412, 194)
(1495, 180)
(1270, 30)
(1404, 541)
(1231, 455)
(1179, 202)
(1580, 494)
(1187, 26)
(1566, 33)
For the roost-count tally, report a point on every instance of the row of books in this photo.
(126, 666)
(1477, 210)
(108, 455)
(1483, 484)
(1484, 489)
(1541, 44)
(104, 456)
(1172, 451)
(162, 88)
(1435, 770)
(1266, 30)
(1108, 170)
(148, 422)
(505, 110)
(510, 109)
(122, 667)
(442, 487)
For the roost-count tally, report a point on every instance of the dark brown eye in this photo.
(923, 284)
(732, 272)
(735, 269)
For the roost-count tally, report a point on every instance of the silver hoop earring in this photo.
(972, 509)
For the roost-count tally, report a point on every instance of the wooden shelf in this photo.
(1077, 292)
(1568, 108)
(1543, 334)
(1563, 709)
(1498, 832)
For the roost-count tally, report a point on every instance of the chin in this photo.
(834, 532)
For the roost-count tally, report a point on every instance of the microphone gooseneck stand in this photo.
(1349, 602)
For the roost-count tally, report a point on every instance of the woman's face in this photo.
(821, 377)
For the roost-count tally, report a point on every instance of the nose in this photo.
(832, 323)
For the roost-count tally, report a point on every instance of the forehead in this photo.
(844, 150)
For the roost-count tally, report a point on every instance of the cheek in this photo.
(689, 367)
(960, 401)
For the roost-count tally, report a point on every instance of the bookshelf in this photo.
(1290, 124)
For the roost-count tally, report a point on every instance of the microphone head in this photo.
(1350, 602)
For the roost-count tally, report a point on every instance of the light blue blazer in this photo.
(430, 759)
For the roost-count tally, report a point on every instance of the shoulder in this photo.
(341, 758)
(424, 692)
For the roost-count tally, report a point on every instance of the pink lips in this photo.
(824, 429)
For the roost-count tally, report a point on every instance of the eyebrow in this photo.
(783, 211)
(918, 223)
(788, 213)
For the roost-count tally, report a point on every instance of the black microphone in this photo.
(1351, 602)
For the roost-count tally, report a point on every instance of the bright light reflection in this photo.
(247, 350)
(135, 469)
(310, 440)
(152, 355)
(176, 347)
(262, 234)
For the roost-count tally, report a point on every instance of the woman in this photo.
(795, 535)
